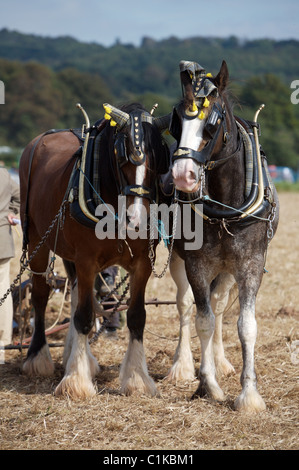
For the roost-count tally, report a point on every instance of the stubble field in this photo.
(32, 418)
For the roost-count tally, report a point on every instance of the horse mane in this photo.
(129, 107)
(229, 97)
(232, 98)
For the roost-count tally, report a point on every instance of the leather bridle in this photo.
(137, 156)
(216, 122)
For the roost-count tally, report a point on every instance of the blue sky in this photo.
(104, 21)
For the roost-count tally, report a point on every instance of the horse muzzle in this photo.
(137, 218)
(186, 175)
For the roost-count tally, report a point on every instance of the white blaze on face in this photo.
(136, 211)
(185, 170)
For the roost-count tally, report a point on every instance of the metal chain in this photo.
(25, 262)
(270, 219)
(115, 289)
(106, 320)
(151, 253)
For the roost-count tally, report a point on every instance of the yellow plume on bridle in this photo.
(192, 110)
(107, 116)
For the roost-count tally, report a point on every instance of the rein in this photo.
(210, 165)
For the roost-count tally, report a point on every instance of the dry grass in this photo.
(32, 418)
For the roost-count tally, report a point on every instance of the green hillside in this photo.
(44, 78)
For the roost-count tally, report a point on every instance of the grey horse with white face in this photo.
(220, 170)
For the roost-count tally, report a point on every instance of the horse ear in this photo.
(221, 80)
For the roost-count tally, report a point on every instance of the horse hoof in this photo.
(40, 364)
(224, 368)
(178, 373)
(72, 387)
(250, 402)
(212, 391)
(139, 385)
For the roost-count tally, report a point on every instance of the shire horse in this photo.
(238, 205)
(132, 153)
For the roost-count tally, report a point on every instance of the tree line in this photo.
(44, 78)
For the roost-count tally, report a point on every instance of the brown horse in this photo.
(219, 169)
(131, 154)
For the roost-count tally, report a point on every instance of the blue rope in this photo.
(162, 233)
(207, 198)
(108, 208)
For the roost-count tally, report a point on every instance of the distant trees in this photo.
(47, 77)
(38, 99)
(31, 101)
(279, 119)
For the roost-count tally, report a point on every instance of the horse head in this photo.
(140, 156)
(198, 123)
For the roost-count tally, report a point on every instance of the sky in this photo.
(128, 21)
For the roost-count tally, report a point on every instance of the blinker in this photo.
(212, 127)
(120, 149)
(213, 121)
(175, 125)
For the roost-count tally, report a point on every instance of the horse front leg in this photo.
(38, 360)
(134, 376)
(249, 398)
(205, 326)
(72, 332)
(220, 296)
(80, 366)
(183, 366)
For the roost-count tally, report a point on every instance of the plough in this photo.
(61, 285)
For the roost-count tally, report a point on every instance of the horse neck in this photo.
(226, 182)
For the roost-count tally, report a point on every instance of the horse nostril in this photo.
(191, 176)
(133, 222)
